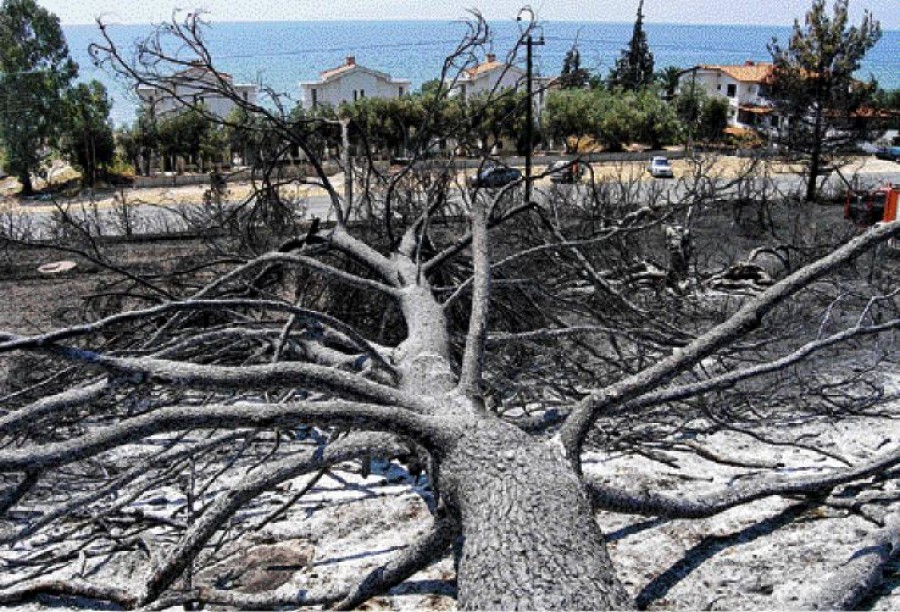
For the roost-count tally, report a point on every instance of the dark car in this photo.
(889, 153)
(566, 172)
(495, 176)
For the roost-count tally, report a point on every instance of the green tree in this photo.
(182, 135)
(713, 119)
(495, 117)
(138, 143)
(387, 122)
(619, 121)
(814, 86)
(613, 118)
(702, 116)
(88, 135)
(658, 121)
(572, 113)
(669, 79)
(887, 103)
(238, 133)
(572, 75)
(634, 69)
(431, 86)
(35, 71)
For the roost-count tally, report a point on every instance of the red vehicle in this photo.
(869, 207)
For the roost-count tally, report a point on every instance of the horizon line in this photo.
(456, 20)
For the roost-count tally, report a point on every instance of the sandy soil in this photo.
(714, 166)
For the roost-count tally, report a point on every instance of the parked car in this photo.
(566, 171)
(494, 176)
(659, 167)
(889, 153)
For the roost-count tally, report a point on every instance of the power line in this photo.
(424, 43)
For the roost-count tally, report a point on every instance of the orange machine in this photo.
(868, 208)
(890, 204)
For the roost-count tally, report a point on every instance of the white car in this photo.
(659, 167)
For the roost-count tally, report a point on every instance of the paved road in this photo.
(146, 219)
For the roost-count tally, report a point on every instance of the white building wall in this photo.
(715, 84)
(219, 105)
(495, 80)
(347, 86)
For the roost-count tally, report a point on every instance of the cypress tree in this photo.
(634, 69)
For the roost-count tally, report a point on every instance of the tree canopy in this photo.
(634, 68)
(35, 71)
(613, 118)
(88, 135)
(814, 87)
(572, 75)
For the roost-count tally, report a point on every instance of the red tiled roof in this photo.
(485, 67)
(751, 72)
(335, 71)
(736, 131)
(198, 70)
(756, 109)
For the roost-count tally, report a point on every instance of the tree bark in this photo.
(25, 180)
(530, 539)
(815, 159)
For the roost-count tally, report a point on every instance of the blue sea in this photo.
(279, 54)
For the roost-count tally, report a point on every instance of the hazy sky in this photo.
(765, 12)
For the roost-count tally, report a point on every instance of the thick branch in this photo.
(473, 359)
(14, 342)
(61, 401)
(429, 548)
(67, 588)
(430, 432)
(702, 506)
(256, 377)
(173, 561)
(848, 586)
(745, 320)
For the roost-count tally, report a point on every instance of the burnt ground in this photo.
(746, 558)
(32, 302)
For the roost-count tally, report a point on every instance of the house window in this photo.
(355, 95)
(362, 93)
(732, 90)
(246, 96)
(400, 90)
(719, 87)
(315, 97)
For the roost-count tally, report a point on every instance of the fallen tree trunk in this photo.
(863, 572)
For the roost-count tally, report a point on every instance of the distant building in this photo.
(488, 76)
(494, 76)
(348, 83)
(744, 86)
(195, 85)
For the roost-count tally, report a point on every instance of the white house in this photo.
(196, 84)
(488, 76)
(348, 83)
(495, 76)
(744, 86)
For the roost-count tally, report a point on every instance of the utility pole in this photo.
(529, 116)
